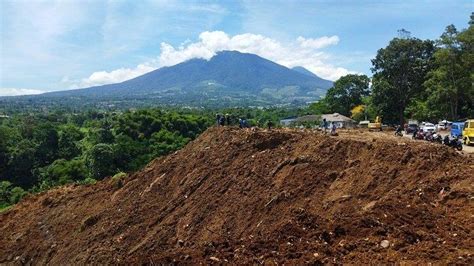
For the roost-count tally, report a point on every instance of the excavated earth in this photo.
(257, 196)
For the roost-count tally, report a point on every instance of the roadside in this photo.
(465, 148)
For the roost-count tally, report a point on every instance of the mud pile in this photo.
(260, 197)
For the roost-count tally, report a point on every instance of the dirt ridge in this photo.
(243, 196)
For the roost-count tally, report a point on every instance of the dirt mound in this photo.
(260, 197)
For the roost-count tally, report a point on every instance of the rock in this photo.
(180, 243)
(385, 243)
(214, 259)
(316, 254)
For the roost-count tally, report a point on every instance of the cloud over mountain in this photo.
(304, 52)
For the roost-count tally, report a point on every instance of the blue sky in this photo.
(57, 45)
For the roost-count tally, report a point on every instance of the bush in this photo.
(17, 194)
(88, 181)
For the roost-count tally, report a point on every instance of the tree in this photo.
(449, 83)
(46, 136)
(22, 159)
(100, 160)
(61, 172)
(358, 113)
(69, 138)
(399, 72)
(320, 107)
(347, 92)
(5, 193)
(17, 194)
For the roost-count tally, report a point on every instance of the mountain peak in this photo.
(242, 78)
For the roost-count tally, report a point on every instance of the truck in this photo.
(456, 129)
(468, 132)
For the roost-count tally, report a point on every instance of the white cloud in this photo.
(18, 91)
(318, 43)
(304, 52)
(118, 75)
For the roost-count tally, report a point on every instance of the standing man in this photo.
(325, 125)
(333, 129)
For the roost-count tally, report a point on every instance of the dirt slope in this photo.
(256, 197)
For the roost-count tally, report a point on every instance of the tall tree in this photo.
(399, 72)
(449, 83)
(347, 93)
(100, 160)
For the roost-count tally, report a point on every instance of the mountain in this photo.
(305, 71)
(228, 78)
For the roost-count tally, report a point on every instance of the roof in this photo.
(308, 118)
(336, 117)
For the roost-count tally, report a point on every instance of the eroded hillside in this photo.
(259, 196)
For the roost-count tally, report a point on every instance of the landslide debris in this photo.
(243, 196)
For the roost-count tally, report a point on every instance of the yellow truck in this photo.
(377, 125)
(468, 132)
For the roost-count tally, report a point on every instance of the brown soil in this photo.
(260, 197)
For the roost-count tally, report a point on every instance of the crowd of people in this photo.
(231, 120)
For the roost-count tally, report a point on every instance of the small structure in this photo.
(364, 124)
(287, 121)
(341, 121)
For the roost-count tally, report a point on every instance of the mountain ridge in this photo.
(229, 77)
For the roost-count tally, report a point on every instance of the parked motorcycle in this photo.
(419, 135)
(428, 136)
(455, 143)
(437, 138)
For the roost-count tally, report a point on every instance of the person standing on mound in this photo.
(333, 129)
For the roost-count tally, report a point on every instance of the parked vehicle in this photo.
(454, 142)
(444, 124)
(376, 125)
(429, 127)
(419, 135)
(437, 138)
(468, 132)
(411, 128)
(456, 129)
(429, 136)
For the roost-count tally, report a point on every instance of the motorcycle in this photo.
(419, 135)
(429, 136)
(437, 138)
(454, 143)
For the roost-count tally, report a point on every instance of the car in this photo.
(429, 127)
(411, 128)
(468, 132)
(456, 129)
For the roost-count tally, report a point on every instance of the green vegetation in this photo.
(421, 79)
(41, 150)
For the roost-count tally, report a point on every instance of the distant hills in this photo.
(229, 78)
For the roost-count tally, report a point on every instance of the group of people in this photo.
(229, 120)
(325, 125)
